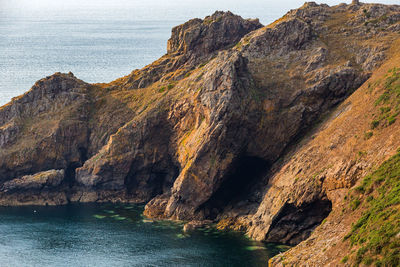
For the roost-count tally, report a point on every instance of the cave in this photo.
(237, 184)
(73, 165)
(149, 181)
(294, 223)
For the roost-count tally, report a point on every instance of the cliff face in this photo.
(238, 123)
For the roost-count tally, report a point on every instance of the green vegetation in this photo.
(368, 135)
(355, 203)
(170, 86)
(374, 124)
(361, 154)
(344, 259)
(366, 13)
(376, 232)
(389, 101)
(209, 20)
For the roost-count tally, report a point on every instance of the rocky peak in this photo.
(192, 43)
(37, 99)
(217, 31)
(55, 84)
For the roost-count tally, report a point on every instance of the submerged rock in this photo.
(193, 225)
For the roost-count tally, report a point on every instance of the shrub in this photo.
(374, 124)
(162, 89)
(368, 135)
(170, 86)
(344, 259)
(355, 203)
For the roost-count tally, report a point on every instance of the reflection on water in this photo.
(116, 235)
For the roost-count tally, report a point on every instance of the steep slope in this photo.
(351, 144)
(238, 123)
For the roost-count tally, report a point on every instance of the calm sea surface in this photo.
(116, 235)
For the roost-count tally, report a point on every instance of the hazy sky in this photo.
(157, 9)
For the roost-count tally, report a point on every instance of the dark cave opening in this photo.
(237, 184)
(72, 166)
(150, 181)
(294, 224)
(70, 173)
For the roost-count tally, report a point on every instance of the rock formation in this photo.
(253, 127)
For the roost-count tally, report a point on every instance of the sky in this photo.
(158, 9)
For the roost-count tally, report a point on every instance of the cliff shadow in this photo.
(237, 185)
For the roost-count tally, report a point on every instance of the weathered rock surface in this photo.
(238, 123)
(38, 189)
(194, 43)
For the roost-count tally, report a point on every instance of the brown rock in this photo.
(193, 225)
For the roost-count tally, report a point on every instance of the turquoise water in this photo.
(116, 235)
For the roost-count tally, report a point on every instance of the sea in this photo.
(117, 235)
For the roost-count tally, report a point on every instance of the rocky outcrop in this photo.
(221, 128)
(202, 37)
(193, 43)
(46, 128)
(44, 188)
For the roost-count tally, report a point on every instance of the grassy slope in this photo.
(376, 233)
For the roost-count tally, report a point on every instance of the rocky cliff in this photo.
(263, 129)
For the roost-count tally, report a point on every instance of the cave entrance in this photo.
(296, 223)
(147, 181)
(73, 165)
(237, 185)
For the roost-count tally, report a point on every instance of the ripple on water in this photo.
(114, 235)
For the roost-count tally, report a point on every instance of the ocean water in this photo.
(116, 235)
(100, 40)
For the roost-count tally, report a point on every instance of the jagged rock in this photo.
(194, 43)
(202, 37)
(46, 128)
(38, 181)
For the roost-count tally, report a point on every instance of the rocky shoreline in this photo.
(262, 129)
